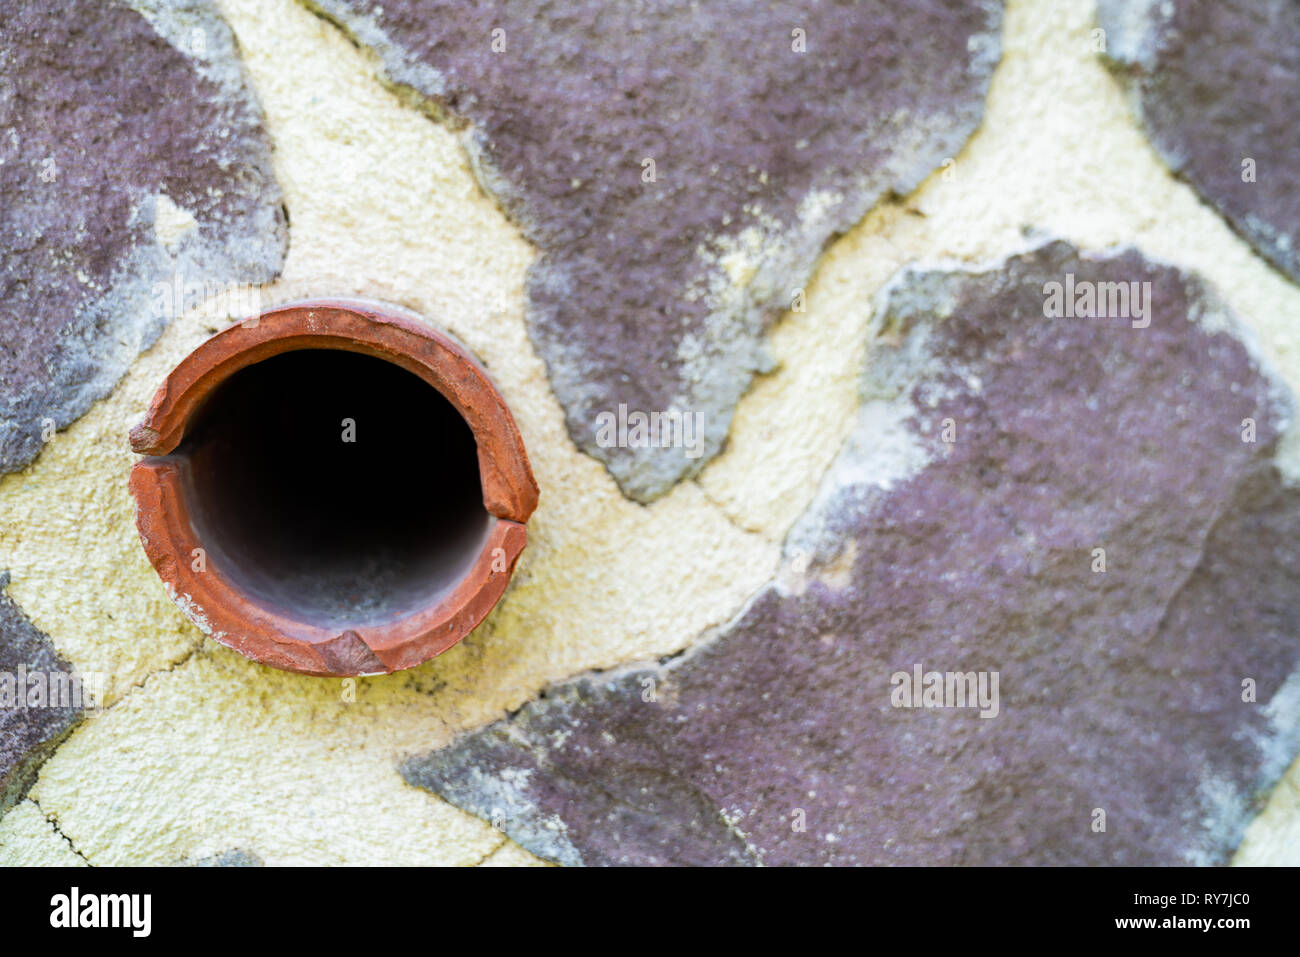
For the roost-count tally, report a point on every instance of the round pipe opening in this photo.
(334, 486)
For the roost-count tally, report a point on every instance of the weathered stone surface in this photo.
(1216, 83)
(235, 857)
(655, 295)
(30, 727)
(132, 155)
(1119, 690)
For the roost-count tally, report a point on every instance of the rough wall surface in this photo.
(133, 162)
(31, 724)
(1120, 687)
(1215, 83)
(680, 166)
(198, 752)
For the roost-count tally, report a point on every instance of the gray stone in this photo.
(34, 717)
(104, 107)
(656, 295)
(235, 857)
(1216, 84)
(1119, 691)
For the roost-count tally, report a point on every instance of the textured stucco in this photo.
(769, 126)
(29, 839)
(28, 735)
(382, 203)
(133, 156)
(1118, 688)
(1246, 55)
(200, 751)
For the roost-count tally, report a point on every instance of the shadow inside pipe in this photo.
(334, 487)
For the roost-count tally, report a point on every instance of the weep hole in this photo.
(332, 488)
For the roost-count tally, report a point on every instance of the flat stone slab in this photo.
(1146, 697)
(135, 177)
(1216, 84)
(680, 166)
(35, 712)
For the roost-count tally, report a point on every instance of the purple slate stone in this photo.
(28, 734)
(628, 303)
(1119, 690)
(235, 857)
(102, 108)
(1216, 84)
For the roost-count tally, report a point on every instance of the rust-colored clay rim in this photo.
(218, 606)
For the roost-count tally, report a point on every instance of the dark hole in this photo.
(336, 533)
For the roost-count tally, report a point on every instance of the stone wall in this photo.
(989, 315)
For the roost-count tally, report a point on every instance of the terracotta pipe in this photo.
(332, 488)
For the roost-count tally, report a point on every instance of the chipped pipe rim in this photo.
(218, 606)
